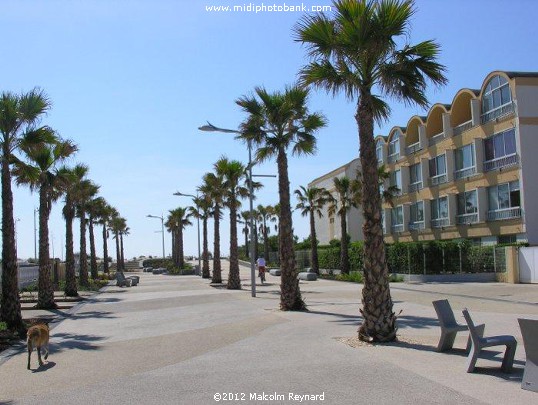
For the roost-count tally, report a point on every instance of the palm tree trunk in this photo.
(105, 249)
(70, 276)
(118, 254)
(234, 280)
(45, 294)
(314, 265)
(121, 251)
(265, 241)
(93, 256)
(205, 253)
(344, 247)
(379, 319)
(83, 273)
(247, 249)
(10, 304)
(290, 294)
(181, 256)
(217, 276)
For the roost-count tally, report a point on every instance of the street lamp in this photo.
(211, 128)
(198, 223)
(162, 226)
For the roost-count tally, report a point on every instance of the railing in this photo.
(413, 148)
(504, 161)
(439, 179)
(440, 222)
(393, 158)
(397, 228)
(459, 129)
(436, 138)
(497, 112)
(416, 226)
(505, 213)
(415, 186)
(467, 219)
(462, 173)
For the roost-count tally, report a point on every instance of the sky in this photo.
(132, 80)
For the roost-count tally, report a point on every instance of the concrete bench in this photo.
(307, 276)
(274, 272)
(529, 332)
(122, 281)
(449, 326)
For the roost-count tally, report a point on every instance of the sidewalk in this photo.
(176, 339)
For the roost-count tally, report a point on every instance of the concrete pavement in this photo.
(176, 339)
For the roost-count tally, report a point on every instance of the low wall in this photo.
(450, 278)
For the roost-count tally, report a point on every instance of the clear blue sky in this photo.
(131, 81)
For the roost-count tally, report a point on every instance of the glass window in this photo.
(467, 202)
(415, 173)
(504, 196)
(465, 157)
(438, 165)
(379, 151)
(396, 216)
(396, 179)
(500, 145)
(417, 212)
(394, 146)
(496, 95)
(440, 208)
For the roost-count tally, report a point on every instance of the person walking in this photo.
(261, 268)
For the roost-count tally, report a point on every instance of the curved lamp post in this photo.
(162, 227)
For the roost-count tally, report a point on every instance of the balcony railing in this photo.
(467, 219)
(413, 148)
(439, 179)
(504, 161)
(440, 222)
(416, 226)
(397, 228)
(497, 112)
(462, 173)
(505, 213)
(436, 139)
(459, 129)
(393, 158)
(415, 186)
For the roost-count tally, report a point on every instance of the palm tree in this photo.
(103, 212)
(95, 207)
(76, 178)
(348, 196)
(311, 202)
(41, 173)
(276, 122)
(19, 115)
(178, 219)
(244, 217)
(125, 230)
(213, 187)
(86, 192)
(203, 211)
(265, 214)
(234, 173)
(355, 50)
(116, 224)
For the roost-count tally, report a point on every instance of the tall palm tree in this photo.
(234, 174)
(125, 230)
(40, 173)
(76, 178)
(244, 217)
(277, 122)
(213, 186)
(311, 201)
(19, 116)
(348, 196)
(356, 50)
(266, 213)
(103, 212)
(86, 192)
(203, 211)
(116, 224)
(95, 207)
(178, 219)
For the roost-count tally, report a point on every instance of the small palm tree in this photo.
(95, 207)
(116, 225)
(355, 50)
(103, 212)
(178, 219)
(266, 213)
(19, 116)
(311, 202)
(204, 211)
(213, 187)
(277, 122)
(86, 192)
(348, 196)
(41, 174)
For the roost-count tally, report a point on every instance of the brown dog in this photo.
(38, 337)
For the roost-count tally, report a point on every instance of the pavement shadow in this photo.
(341, 318)
(91, 314)
(69, 341)
(47, 366)
(102, 300)
(416, 322)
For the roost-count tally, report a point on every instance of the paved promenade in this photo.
(178, 340)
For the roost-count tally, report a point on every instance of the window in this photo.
(505, 239)
(394, 148)
(396, 218)
(438, 169)
(467, 202)
(497, 99)
(504, 201)
(500, 150)
(465, 161)
(395, 179)
(439, 212)
(417, 216)
(379, 151)
(415, 177)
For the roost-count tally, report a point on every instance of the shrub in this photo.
(3, 326)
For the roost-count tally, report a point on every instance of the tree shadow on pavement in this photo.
(67, 341)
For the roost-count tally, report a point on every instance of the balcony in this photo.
(416, 226)
(440, 222)
(413, 148)
(439, 179)
(460, 129)
(393, 158)
(498, 112)
(499, 163)
(467, 219)
(436, 139)
(463, 173)
(415, 186)
(506, 213)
